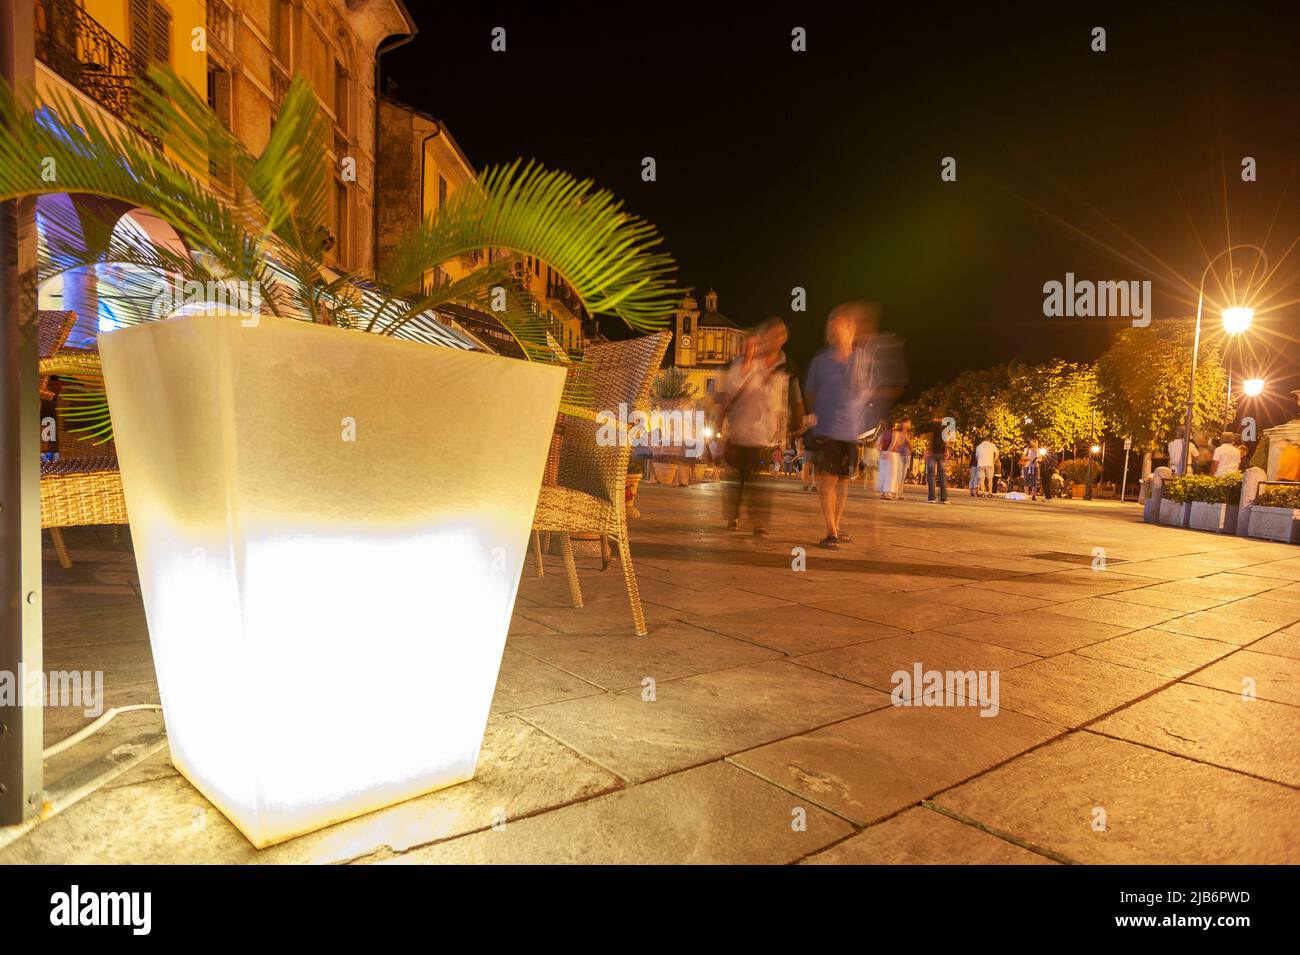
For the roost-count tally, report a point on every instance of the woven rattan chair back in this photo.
(614, 378)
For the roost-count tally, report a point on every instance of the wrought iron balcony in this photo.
(77, 47)
(221, 18)
(279, 83)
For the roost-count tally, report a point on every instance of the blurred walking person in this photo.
(902, 448)
(838, 390)
(885, 460)
(1046, 470)
(809, 458)
(986, 456)
(760, 398)
(936, 459)
(1030, 470)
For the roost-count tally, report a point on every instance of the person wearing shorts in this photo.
(838, 391)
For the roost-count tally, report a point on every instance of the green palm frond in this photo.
(609, 256)
(276, 210)
(85, 404)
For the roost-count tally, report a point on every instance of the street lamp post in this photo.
(1231, 318)
(1235, 322)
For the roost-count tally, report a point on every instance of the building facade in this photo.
(420, 167)
(705, 342)
(243, 54)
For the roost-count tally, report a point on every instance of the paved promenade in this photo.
(1146, 709)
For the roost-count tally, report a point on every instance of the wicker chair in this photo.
(84, 486)
(588, 490)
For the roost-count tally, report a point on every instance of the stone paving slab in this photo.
(795, 629)
(1270, 677)
(714, 815)
(1224, 624)
(1284, 643)
(603, 614)
(1070, 689)
(872, 766)
(525, 681)
(1213, 726)
(987, 601)
(1155, 597)
(923, 836)
(1042, 632)
(701, 718)
(1104, 609)
(1159, 809)
(1263, 608)
(1224, 585)
(97, 624)
(1162, 652)
(906, 614)
(617, 661)
(874, 664)
(1192, 780)
(166, 820)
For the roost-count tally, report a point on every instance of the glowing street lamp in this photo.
(1235, 322)
(1095, 449)
(1253, 387)
(1236, 319)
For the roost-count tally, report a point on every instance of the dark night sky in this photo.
(821, 169)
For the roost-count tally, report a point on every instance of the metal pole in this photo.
(1196, 344)
(1191, 385)
(21, 726)
(1092, 437)
(1123, 481)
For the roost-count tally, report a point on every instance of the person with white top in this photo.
(986, 456)
(1227, 458)
(1176, 455)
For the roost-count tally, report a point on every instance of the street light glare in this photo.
(1253, 387)
(1095, 448)
(1237, 319)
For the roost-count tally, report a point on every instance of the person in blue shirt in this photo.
(843, 380)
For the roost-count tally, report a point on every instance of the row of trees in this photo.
(1138, 387)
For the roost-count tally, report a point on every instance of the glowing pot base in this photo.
(330, 528)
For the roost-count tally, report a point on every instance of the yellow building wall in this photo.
(187, 15)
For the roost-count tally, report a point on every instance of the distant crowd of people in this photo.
(835, 428)
(1226, 454)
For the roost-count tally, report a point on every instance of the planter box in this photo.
(1173, 513)
(1220, 518)
(327, 598)
(665, 473)
(1272, 523)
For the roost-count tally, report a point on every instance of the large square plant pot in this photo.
(330, 528)
(1173, 513)
(1275, 524)
(1220, 518)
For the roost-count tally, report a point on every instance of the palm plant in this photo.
(275, 211)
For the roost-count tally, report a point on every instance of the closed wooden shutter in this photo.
(151, 27)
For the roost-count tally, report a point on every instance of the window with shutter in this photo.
(151, 26)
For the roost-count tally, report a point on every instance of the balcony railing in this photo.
(563, 293)
(279, 84)
(221, 18)
(77, 47)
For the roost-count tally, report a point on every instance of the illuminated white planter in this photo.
(330, 528)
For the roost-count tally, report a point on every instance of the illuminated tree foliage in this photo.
(1142, 382)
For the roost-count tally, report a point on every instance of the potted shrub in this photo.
(633, 483)
(1276, 514)
(1175, 502)
(1075, 473)
(1211, 502)
(296, 525)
